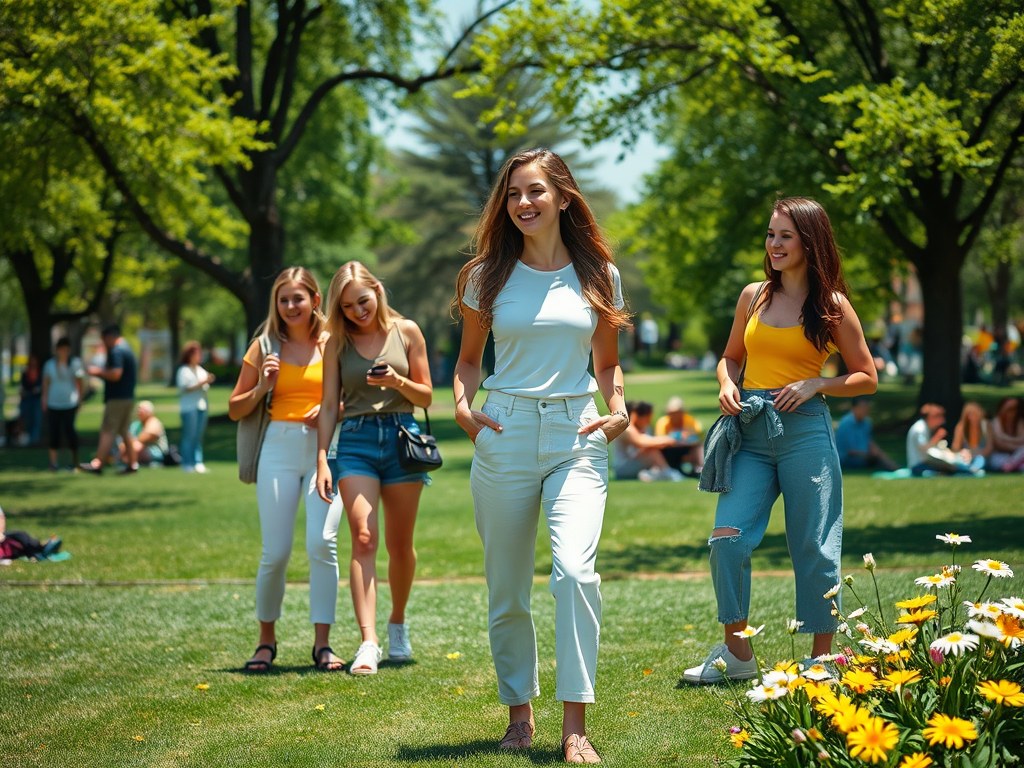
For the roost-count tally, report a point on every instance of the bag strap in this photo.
(750, 313)
(268, 346)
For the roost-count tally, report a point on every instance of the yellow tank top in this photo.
(298, 389)
(779, 356)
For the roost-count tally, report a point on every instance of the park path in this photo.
(538, 579)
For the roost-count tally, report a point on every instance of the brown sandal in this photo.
(517, 736)
(578, 749)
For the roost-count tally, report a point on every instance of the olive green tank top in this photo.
(362, 399)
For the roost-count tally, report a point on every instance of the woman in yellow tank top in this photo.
(287, 463)
(779, 429)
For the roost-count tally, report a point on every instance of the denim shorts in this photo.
(368, 446)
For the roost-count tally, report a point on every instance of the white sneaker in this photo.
(366, 659)
(399, 647)
(734, 668)
(201, 468)
(646, 476)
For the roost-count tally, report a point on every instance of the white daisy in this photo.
(953, 538)
(863, 628)
(985, 610)
(985, 629)
(778, 677)
(857, 614)
(793, 626)
(995, 568)
(955, 643)
(938, 581)
(720, 664)
(749, 632)
(832, 592)
(879, 646)
(869, 561)
(1014, 606)
(767, 692)
(817, 672)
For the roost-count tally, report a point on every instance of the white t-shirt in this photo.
(63, 392)
(917, 442)
(542, 331)
(194, 400)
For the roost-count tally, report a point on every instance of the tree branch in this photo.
(990, 109)
(101, 287)
(973, 222)
(857, 37)
(272, 69)
(291, 69)
(243, 59)
(233, 191)
(892, 230)
(238, 284)
(791, 28)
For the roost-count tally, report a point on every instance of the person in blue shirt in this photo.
(853, 439)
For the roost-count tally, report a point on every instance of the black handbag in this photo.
(418, 453)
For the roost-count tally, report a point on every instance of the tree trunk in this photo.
(997, 285)
(266, 242)
(174, 325)
(943, 325)
(40, 325)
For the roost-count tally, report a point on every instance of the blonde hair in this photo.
(339, 326)
(974, 429)
(271, 327)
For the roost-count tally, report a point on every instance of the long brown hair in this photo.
(338, 325)
(821, 313)
(272, 326)
(499, 243)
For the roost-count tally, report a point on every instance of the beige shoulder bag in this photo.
(253, 428)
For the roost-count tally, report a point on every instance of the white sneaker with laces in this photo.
(399, 647)
(201, 468)
(734, 668)
(366, 659)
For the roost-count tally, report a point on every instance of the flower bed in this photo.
(936, 684)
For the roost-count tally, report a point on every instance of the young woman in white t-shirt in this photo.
(543, 282)
(193, 383)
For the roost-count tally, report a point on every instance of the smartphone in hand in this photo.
(378, 370)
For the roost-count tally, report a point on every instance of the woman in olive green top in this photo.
(383, 374)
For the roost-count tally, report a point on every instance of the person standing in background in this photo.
(63, 380)
(31, 407)
(193, 383)
(118, 374)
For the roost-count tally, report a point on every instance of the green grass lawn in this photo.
(86, 670)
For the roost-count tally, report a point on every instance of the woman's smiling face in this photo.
(359, 305)
(295, 305)
(532, 201)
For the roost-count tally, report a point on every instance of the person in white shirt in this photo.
(925, 433)
(543, 283)
(63, 379)
(193, 383)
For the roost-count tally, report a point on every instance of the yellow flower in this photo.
(945, 680)
(202, 687)
(1013, 630)
(950, 731)
(916, 760)
(816, 691)
(903, 636)
(916, 617)
(831, 705)
(859, 680)
(814, 734)
(789, 667)
(1002, 692)
(851, 719)
(648, 672)
(916, 602)
(901, 677)
(320, 707)
(873, 741)
(454, 655)
(739, 739)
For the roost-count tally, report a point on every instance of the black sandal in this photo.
(259, 666)
(325, 666)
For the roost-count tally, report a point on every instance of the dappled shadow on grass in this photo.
(990, 536)
(469, 749)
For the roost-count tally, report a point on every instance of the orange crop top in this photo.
(298, 389)
(779, 356)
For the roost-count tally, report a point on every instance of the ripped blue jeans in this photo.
(793, 454)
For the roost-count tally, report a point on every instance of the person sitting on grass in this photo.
(972, 436)
(927, 451)
(857, 449)
(1008, 436)
(687, 431)
(149, 438)
(15, 544)
(637, 455)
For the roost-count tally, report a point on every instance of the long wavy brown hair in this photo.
(821, 313)
(498, 243)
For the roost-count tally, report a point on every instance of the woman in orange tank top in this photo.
(286, 471)
(778, 432)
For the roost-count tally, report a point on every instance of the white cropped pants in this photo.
(540, 460)
(287, 472)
